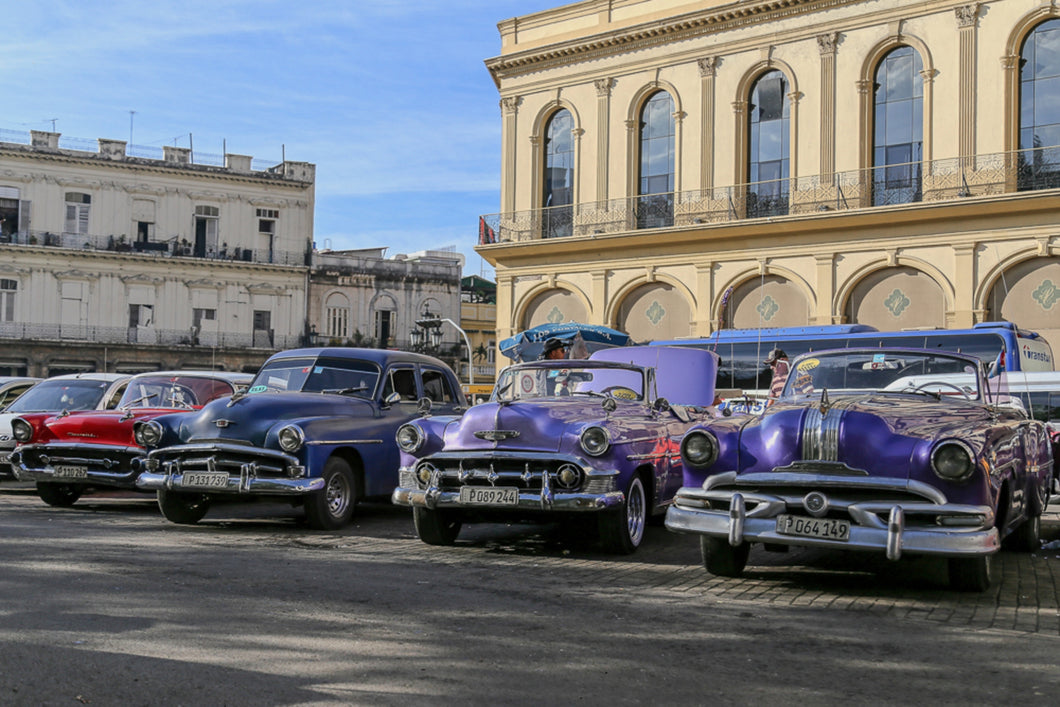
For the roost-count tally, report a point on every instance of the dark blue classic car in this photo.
(316, 426)
(871, 449)
(561, 438)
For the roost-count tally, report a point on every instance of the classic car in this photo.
(316, 427)
(70, 392)
(11, 387)
(70, 452)
(558, 439)
(871, 450)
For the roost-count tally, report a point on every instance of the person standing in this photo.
(778, 361)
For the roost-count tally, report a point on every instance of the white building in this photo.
(110, 260)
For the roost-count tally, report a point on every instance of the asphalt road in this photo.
(108, 604)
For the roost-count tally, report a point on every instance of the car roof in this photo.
(4, 380)
(90, 376)
(382, 357)
(229, 376)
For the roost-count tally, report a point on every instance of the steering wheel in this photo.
(959, 389)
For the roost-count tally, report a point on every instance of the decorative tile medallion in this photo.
(896, 303)
(768, 308)
(655, 312)
(1046, 294)
(555, 316)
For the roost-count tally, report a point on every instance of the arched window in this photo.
(898, 137)
(557, 215)
(769, 158)
(1039, 163)
(655, 207)
(337, 316)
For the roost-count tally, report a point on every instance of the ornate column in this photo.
(825, 288)
(826, 43)
(704, 323)
(601, 307)
(708, 69)
(509, 145)
(929, 112)
(967, 21)
(964, 287)
(603, 135)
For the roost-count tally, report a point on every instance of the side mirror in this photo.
(660, 404)
(394, 397)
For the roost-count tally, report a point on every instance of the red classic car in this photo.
(67, 453)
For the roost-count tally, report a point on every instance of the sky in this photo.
(390, 99)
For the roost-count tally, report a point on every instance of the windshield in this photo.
(529, 382)
(57, 395)
(882, 370)
(177, 392)
(318, 375)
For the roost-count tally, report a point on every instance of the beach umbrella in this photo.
(527, 345)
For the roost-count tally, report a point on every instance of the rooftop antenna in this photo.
(131, 114)
(52, 122)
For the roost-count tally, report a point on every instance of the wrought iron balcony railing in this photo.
(261, 339)
(174, 246)
(914, 182)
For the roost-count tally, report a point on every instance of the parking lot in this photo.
(107, 603)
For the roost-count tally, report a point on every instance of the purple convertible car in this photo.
(875, 450)
(561, 439)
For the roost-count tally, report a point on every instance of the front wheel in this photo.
(721, 558)
(59, 495)
(332, 507)
(622, 531)
(1027, 537)
(971, 574)
(181, 507)
(436, 527)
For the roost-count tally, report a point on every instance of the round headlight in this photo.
(409, 438)
(147, 434)
(291, 438)
(21, 430)
(952, 461)
(699, 448)
(595, 441)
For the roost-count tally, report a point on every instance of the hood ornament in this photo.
(826, 404)
(496, 435)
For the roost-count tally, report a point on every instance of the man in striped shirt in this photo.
(778, 361)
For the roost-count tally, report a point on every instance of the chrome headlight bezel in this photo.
(409, 438)
(952, 460)
(699, 449)
(595, 440)
(291, 438)
(147, 434)
(21, 431)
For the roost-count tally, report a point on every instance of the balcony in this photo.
(148, 336)
(916, 182)
(174, 246)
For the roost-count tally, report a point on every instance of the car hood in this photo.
(101, 427)
(534, 427)
(886, 435)
(249, 418)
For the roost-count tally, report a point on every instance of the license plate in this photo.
(804, 527)
(490, 495)
(205, 479)
(71, 471)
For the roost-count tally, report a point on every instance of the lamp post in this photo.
(428, 329)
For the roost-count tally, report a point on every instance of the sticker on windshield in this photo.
(879, 358)
(258, 389)
(318, 369)
(809, 364)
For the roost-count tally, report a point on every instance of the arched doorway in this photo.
(897, 298)
(655, 311)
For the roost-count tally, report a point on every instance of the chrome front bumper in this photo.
(97, 459)
(544, 500)
(166, 469)
(970, 530)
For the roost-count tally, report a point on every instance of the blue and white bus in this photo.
(743, 351)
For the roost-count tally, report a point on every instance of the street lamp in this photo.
(429, 328)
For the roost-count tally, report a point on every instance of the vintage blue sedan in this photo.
(559, 439)
(901, 452)
(316, 426)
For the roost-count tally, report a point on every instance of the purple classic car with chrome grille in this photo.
(563, 437)
(875, 450)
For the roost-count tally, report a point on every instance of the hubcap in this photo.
(337, 495)
(635, 512)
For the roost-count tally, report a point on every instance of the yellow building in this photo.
(890, 163)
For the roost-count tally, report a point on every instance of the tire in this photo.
(622, 531)
(332, 507)
(1027, 537)
(183, 508)
(59, 495)
(436, 527)
(971, 574)
(721, 558)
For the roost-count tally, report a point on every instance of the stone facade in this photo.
(973, 245)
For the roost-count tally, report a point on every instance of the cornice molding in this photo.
(680, 28)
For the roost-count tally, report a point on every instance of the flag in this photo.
(486, 234)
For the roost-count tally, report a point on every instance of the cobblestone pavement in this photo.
(1024, 598)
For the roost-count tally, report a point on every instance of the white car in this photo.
(13, 386)
(71, 392)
